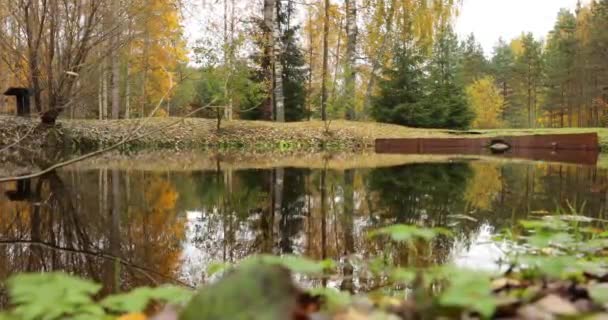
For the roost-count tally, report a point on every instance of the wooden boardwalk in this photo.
(572, 148)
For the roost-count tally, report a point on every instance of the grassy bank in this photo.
(175, 133)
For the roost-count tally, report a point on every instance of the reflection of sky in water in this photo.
(481, 253)
(233, 214)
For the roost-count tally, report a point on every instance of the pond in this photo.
(134, 222)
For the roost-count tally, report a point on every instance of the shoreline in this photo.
(255, 136)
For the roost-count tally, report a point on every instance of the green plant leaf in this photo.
(137, 300)
(599, 293)
(52, 296)
(404, 233)
(471, 290)
(293, 263)
(216, 267)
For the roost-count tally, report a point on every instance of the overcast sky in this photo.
(487, 19)
(490, 19)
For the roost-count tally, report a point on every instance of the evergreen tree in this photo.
(501, 66)
(294, 73)
(446, 101)
(401, 96)
(559, 58)
(473, 63)
(294, 77)
(528, 72)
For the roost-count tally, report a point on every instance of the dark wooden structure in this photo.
(22, 95)
(22, 193)
(573, 148)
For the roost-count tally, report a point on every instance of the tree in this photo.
(446, 99)
(487, 103)
(53, 40)
(294, 73)
(559, 58)
(350, 77)
(325, 62)
(528, 72)
(401, 96)
(157, 52)
(473, 63)
(502, 64)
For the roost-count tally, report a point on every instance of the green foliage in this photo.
(50, 296)
(599, 293)
(138, 299)
(469, 290)
(401, 96)
(294, 77)
(296, 264)
(423, 92)
(53, 296)
(473, 63)
(241, 89)
(404, 233)
(255, 290)
(260, 287)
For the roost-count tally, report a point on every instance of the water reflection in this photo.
(128, 228)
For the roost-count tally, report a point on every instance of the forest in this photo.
(302, 159)
(388, 61)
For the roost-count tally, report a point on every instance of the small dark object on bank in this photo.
(499, 146)
(22, 95)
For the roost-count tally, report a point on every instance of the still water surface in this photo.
(135, 227)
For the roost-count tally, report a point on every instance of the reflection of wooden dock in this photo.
(572, 148)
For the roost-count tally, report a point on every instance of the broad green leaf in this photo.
(252, 291)
(549, 223)
(335, 299)
(403, 275)
(138, 299)
(293, 263)
(599, 293)
(404, 233)
(216, 267)
(52, 296)
(469, 290)
(135, 301)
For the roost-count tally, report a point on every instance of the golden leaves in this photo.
(487, 103)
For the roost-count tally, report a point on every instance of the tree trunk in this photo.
(268, 56)
(114, 60)
(311, 66)
(376, 62)
(325, 57)
(351, 48)
(279, 98)
(338, 61)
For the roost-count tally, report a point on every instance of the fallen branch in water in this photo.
(144, 270)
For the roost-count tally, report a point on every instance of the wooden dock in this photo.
(572, 148)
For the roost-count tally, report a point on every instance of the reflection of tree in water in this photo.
(424, 195)
(541, 188)
(85, 223)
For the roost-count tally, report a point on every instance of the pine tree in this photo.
(401, 96)
(473, 63)
(294, 77)
(528, 72)
(501, 66)
(559, 59)
(446, 101)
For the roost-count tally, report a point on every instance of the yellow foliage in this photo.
(133, 316)
(484, 186)
(517, 46)
(487, 103)
(159, 49)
